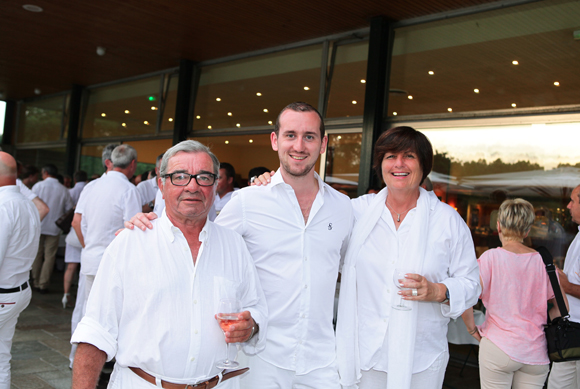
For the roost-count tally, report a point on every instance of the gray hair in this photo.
(187, 146)
(123, 155)
(107, 151)
(516, 218)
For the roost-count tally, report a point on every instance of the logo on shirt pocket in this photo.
(329, 226)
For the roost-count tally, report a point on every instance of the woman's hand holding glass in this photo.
(415, 287)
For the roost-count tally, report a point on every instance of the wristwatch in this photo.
(446, 296)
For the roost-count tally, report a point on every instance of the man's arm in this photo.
(76, 225)
(41, 206)
(87, 366)
(567, 286)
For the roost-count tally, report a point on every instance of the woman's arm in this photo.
(555, 311)
(469, 321)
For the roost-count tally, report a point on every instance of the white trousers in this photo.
(432, 378)
(124, 378)
(267, 376)
(11, 304)
(77, 314)
(564, 375)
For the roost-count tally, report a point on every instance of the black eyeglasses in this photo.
(183, 179)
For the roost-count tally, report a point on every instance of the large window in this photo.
(42, 120)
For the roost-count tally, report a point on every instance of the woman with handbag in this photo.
(516, 291)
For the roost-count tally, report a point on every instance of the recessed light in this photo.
(251, 141)
(153, 108)
(227, 142)
(410, 97)
(269, 122)
(124, 124)
(218, 99)
(354, 101)
(363, 81)
(431, 72)
(37, 91)
(515, 63)
(101, 51)
(238, 125)
(229, 114)
(170, 119)
(339, 137)
(514, 105)
(306, 88)
(146, 122)
(209, 127)
(556, 83)
(476, 90)
(127, 112)
(198, 117)
(394, 114)
(265, 109)
(104, 115)
(258, 94)
(32, 8)
(450, 109)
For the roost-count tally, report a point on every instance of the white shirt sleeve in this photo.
(132, 204)
(232, 215)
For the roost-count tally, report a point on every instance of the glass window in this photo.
(343, 162)
(251, 92)
(123, 109)
(516, 57)
(148, 151)
(41, 120)
(170, 103)
(41, 157)
(91, 162)
(347, 88)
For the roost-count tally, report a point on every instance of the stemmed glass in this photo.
(400, 275)
(227, 315)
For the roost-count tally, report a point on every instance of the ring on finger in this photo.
(415, 293)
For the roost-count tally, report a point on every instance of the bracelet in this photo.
(473, 332)
(255, 329)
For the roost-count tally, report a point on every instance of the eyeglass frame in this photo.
(215, 178)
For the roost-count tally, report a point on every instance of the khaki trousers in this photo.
(498, 371)
(565, 375)
(42, 270)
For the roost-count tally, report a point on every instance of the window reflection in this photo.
(343, 161)
(41, 120)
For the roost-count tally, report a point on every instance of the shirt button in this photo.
(388, 291)
(192, 359)
(305, 286)
(195, 301)
(195, 332)
(303, 315)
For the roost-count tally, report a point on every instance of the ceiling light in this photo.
(354, 101)
(265, 110)
(515, 63)
(394, 114)
(238, 125)
(306, 88)
(339, 137)
(227, 142)
(153, 108)
(513, 105)
(363, 81)
(218, 99)
(124, 124)
(32, 8)
(104, 114)
(127, 112)
(209, 127)
(37, 91)
(476, 90)
(146, 122)
(410, 97)
(229, 114)
(556, 83)
(450, 109)
(269, 122)
(258, 94)
(251, 141)
(431, 72)
(198, 117)
(170, 119)
(101, 51)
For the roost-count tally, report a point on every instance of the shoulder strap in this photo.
(551, 270)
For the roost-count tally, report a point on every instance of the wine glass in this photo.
(398, 274)
(226, 316)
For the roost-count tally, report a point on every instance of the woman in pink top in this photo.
(516, 291)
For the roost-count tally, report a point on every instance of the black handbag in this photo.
(563, 335)
(65, 221)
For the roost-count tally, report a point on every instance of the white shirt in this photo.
(152, 308)
(56, 196)
(30, 195)
(75, 191)
(147, 190)
(454, 264)
(220, 202)
(105, 206)
(298, 266)
(572, 271)
(19, 238)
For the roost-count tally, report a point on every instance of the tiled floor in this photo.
(41, 348)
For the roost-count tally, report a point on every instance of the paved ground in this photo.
(41, 348)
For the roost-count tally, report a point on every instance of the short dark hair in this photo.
(230, 171)
(257, 171)
(50, 169)
(401, 139)
(27, 171)
(300, 106)
(80, 176)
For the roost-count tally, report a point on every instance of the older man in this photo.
(566, 375)
(156, 292)
(18, 246)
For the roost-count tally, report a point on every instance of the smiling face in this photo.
(191, 202)
(574, 205)
(298, 142)
(401, 170)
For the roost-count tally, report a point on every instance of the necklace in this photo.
(398, 214)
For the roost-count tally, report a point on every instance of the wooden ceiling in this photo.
(56, 48)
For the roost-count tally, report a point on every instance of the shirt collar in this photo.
(114, 173)
(10, 188)
(171, 231)
(278, 179)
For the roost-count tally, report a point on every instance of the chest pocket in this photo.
(224, 288)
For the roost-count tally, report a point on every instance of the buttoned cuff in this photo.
(456, 299)
(90, 331)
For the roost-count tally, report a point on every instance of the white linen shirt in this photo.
(30, 195)
(105, 206)
(147, 190)
(19, 239)
(298, 266)
(572, 271)
(454, 264)
(152, 308)
(56, 196)
(220, 202)
(75, 191)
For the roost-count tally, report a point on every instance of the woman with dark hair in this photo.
(404, 237)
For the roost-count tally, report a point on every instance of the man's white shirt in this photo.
(298, 265)
(572, 271)
(152, 308)
(30, 195)
(75, 191)
(147, 190)
(56, 196)
(105, 206)
(19, 238)
(220, 202)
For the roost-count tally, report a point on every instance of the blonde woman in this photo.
(516, 292)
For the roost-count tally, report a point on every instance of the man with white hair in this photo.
(148, 189)
(157, 292)
(106, 204)
(18, 246)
